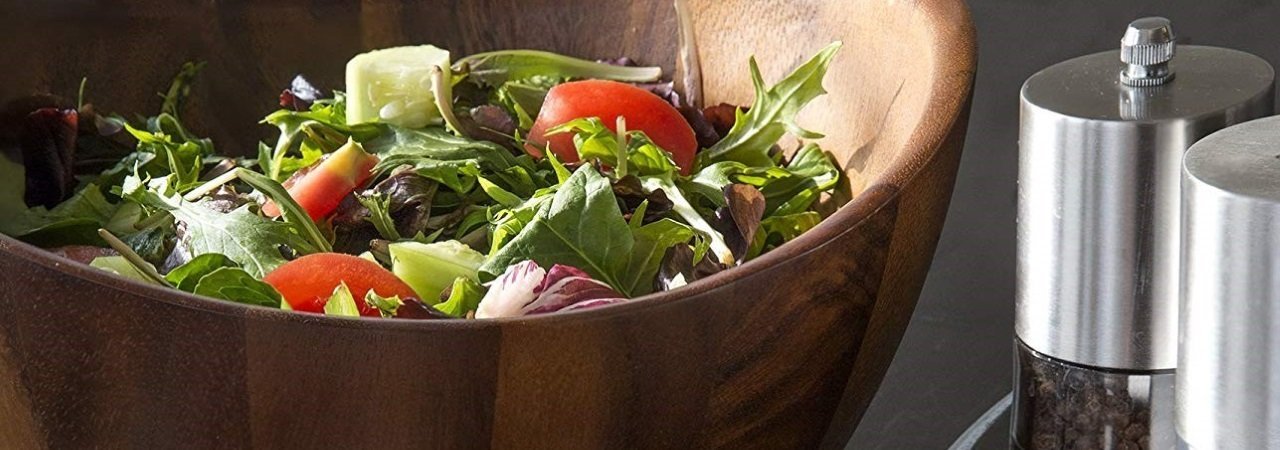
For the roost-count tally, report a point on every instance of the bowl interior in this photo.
(129, 51)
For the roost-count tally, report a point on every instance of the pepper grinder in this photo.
(1100, 153)
(1228, 360)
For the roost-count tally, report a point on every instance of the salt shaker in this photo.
(1229, 360)
(1100, 152)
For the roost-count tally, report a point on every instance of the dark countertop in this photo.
(956, 359)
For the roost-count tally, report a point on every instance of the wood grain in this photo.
(784, 352)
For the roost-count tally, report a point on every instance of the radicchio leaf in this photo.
(510, 292)
(300, 95)
(630, 194)
(739, 219)
(48, 141)
(678, 268)
(565, 286)
(527, 289)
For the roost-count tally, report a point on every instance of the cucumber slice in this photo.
(394, 86)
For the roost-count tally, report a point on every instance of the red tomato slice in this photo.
(607, 100)
(322, 188)
(307, 282)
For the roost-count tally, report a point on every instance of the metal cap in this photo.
(1146, 48)
(1227, 394)
(1098, 199)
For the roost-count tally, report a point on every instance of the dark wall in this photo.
(956, 359)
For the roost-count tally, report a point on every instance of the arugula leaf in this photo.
(186, 276)
(164, 147)
(387, 306)
(776, 230)
(243, 236)
(341, 303)
(500, 195)
(379, 206)
(524, 98)
(581, 227)
(498, 67)
(439, 155)
(464, 298)
(311, 133)
(180, 88)
(652, 242)
(685, 209)
(595, 141)
(294, 214)
(787, 190)
(234, 284)
(772, 114)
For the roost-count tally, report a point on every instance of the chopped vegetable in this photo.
(439, 177)
(308, 282)
(393, 85)
(608, 100)
(432, 268)
(321, 189)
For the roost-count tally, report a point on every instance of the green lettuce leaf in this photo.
(464, 298)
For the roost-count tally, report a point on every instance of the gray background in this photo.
(956, 358)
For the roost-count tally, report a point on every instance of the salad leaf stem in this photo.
(210, 186)
(288, 207)
(443, 90)
(129, 255)
(497, 67)
(620, 126)
(681, 206)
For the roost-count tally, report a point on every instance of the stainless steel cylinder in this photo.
(1228, 382)
(1098, 191)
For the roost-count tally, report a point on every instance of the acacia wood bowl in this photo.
(785, 351)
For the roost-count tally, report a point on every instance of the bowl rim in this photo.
(922, 146)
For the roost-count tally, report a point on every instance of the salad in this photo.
(499, 184)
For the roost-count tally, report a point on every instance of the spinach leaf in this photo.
(186, 276)
(581, 227)
(772, 114)
(498, 67)
(74, 221)
(234, 284)
(651, 244)
(243, 236)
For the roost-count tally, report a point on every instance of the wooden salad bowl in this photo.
(785, 351)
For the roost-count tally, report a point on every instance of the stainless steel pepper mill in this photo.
(1229, 361)
(1101, 146)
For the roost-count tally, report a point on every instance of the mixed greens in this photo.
(502, 184)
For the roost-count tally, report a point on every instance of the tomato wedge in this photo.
(607, 100)
(322, 187)
(308, 282)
